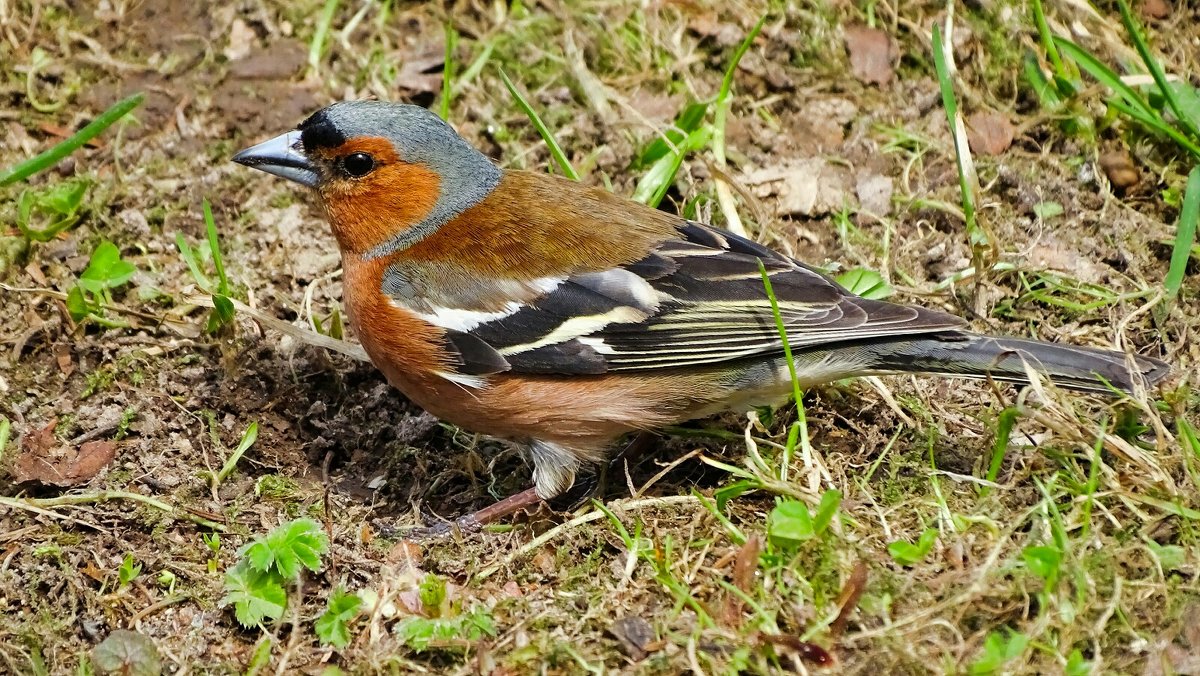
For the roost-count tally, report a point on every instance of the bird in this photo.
(563, 317)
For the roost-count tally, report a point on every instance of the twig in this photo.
(48, 504)
(589, 517)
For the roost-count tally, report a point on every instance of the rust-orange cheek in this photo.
(368, 211)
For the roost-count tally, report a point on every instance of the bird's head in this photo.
(388, 174)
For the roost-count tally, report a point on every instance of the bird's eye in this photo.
(358, 165)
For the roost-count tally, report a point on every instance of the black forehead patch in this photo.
(318, 131)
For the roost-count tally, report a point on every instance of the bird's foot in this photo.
(474, 522)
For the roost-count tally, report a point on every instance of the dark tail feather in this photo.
(977, 356)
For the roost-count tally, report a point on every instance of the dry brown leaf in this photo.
(989, 133)
(422, 71)
(853, 590)
(62, 355)
(544, 561)
(47, 461)
(871, 54)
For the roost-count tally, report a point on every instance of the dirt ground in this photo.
(839, 153)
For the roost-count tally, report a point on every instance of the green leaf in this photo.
(686, 122)
(826, 509)
(77, 304)
(193, 262)
(726, 493)
(1047, 210)
(106, 270)
(214, 248)
(260, 658)
(255, 594)
(1043, 561)
(332, 627)
(222, 314)
(1076, 665)
(127, 653)
(1189, 100)
(866, 283)
(789, 524)
(999, 648)
(908, 553)
(295, 544)
(60, 204)
(287, 548)
(432, 592)
(653, 186)
(1170, 557)
(128, 570)
(64, 199)
(419, 632)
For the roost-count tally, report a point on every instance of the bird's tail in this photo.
(1001, 358)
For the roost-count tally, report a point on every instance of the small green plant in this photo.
(213, 542)
(255, 585)
(105, 272)
(690, 133)
(1057, 92)
(907, 553)
(248, 439)
(999, 648)
(128, 571)
(220, 290)
(444, 624)
(790, 522)
(44, 213)
(1185, 235)
(421, 633)
(333, 626)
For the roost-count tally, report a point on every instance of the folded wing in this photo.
(695, 301)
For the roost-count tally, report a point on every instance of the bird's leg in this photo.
(475, 521)
(587, 485)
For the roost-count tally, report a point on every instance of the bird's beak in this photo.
(281, 156)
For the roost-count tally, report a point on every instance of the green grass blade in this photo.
(727, 81)
(448, 71)
(1106, 76)
(320, 34)
(1155, 68)
(193, 263)
(961, 152)
(1156, 124)
(555, 150)
(1039, 18)
(655, 183)
(51, 157)
(1004, 428)
(214, 246)
(1185, 234)
(779, 326)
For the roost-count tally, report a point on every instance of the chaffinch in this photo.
(537, 309)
